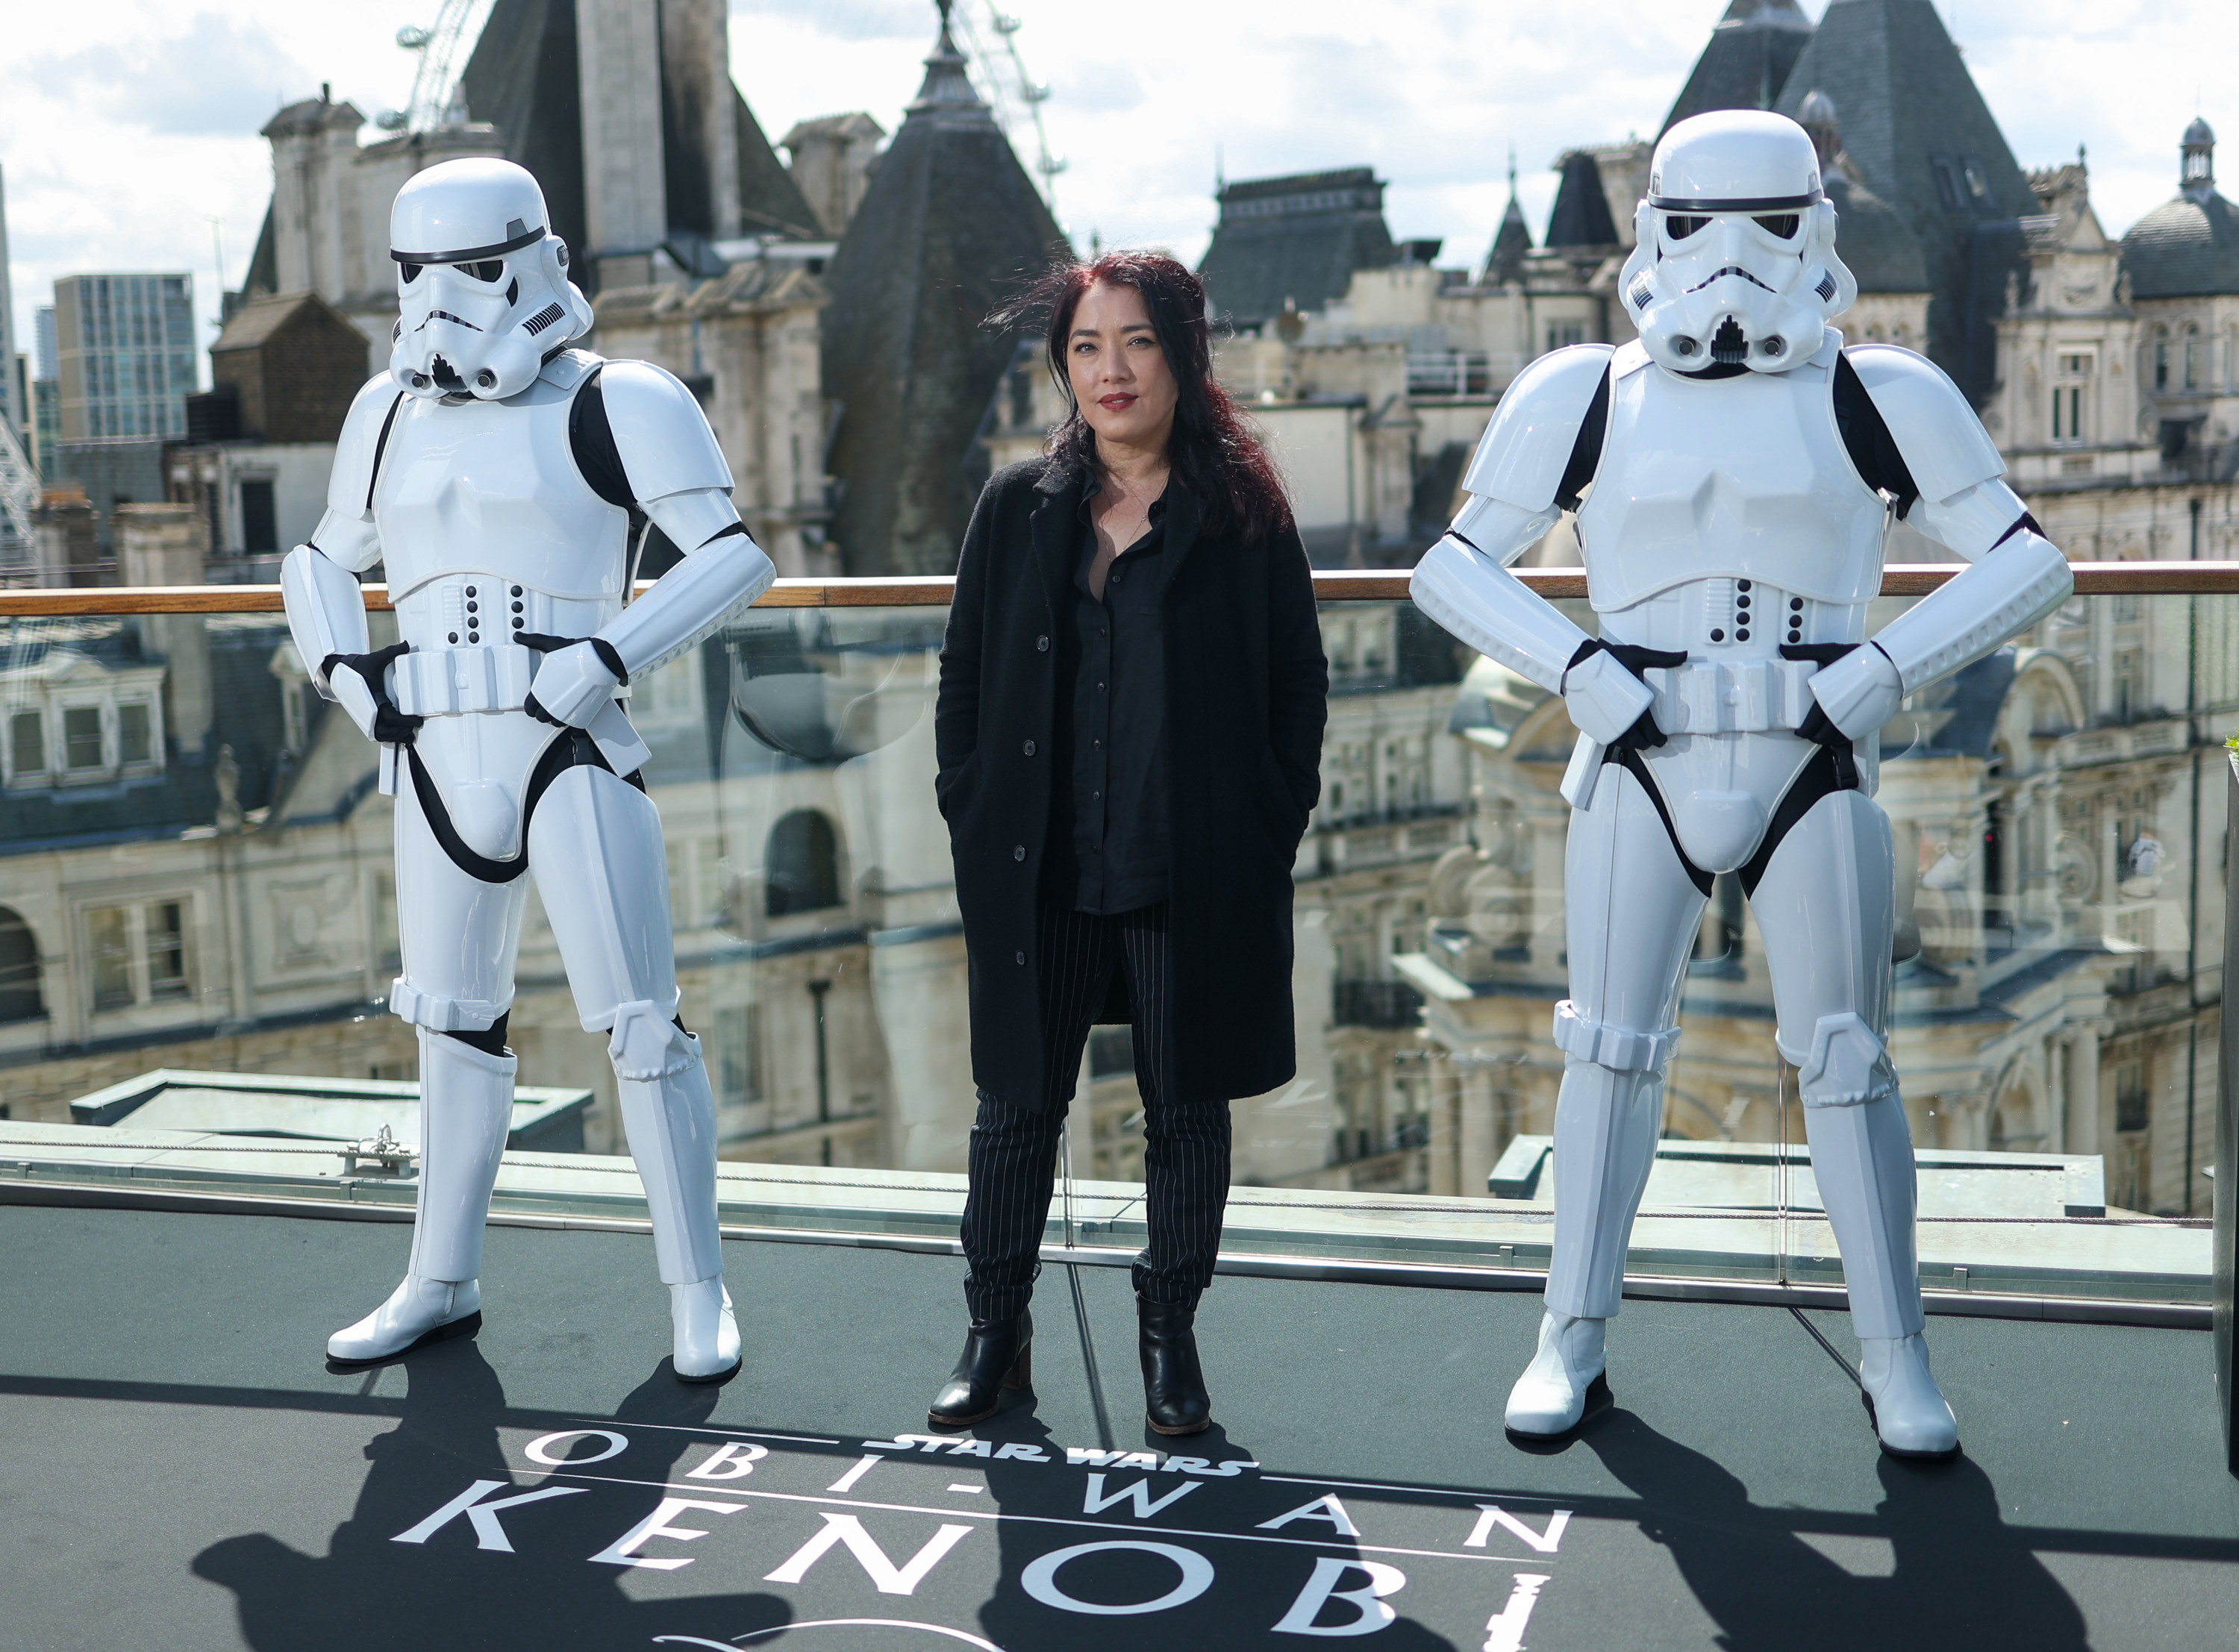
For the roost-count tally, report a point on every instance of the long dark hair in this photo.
(1212, 451)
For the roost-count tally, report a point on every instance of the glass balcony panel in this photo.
(2057, 818)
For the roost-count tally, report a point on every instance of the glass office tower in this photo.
(125, 345)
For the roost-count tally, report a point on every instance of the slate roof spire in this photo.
(1505, 264)
(1747, 62)
(947, 93)
(948, 230)
(1581, 216)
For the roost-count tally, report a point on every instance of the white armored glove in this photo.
(1857, 693)
(1604, 700)
(350, 693)
(576, 682)
(357, 682)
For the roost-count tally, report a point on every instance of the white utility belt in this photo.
(439, 682)
(1731, 696)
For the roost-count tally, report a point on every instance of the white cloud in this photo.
(126, 127)
(191, 82)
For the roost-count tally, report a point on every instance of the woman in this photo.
(1129, 731)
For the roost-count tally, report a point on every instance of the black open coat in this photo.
(1246, 695)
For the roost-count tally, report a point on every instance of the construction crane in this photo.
(1015, 95)
(444, 46)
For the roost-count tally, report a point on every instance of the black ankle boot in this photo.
(1174, 1400)
(998, 1355)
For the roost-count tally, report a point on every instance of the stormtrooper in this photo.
(494, 471)
(1734, 472)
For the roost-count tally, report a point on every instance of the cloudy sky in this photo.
(127, 127)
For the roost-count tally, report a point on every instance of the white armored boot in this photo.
(1606, 1122)
(669, 1113)
(1862, 1159)
(1550, 1397)
(466, 1106)
(1910, 1412)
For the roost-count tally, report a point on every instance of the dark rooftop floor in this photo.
(178, 1469)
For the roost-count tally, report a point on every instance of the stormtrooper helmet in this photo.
(481, 281)
(1735, 264)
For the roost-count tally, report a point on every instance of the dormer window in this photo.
(75, 721)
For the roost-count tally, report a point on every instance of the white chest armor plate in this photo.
(1744, 478)
(491, 488)
(488, 528)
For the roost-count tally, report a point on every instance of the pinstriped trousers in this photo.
(1014, 1139)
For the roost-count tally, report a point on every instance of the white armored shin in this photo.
(1607, 1119)
(1862, 1159)
(1825, 905)
(466, 1108)
(668, 1113)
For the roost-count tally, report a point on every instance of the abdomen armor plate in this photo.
(492, 488)
(1744, 478)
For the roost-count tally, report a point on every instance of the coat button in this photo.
(1041, 645)
(1019, 852)
(1021, 957)
(1030, 748)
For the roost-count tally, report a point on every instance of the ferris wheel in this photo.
(1016, 96)
(444, 46)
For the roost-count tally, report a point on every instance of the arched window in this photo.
(801, 868)
(19, 970)
(2160, 358)
(2194, 365)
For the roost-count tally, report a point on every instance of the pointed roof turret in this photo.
(1512, 242)
(1747, 61)
(1581, 216)
(947, 93)
(948, 229)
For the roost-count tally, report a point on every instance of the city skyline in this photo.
(136, 146)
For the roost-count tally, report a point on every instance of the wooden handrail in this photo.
(1368, 585)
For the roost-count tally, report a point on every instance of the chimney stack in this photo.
(165, 545)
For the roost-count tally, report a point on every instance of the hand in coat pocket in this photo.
(1286, 822)
(952, 790)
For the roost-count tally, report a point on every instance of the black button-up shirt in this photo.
(1119, 762)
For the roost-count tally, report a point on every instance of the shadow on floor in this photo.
(1961, 1577)
(370, 1591)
